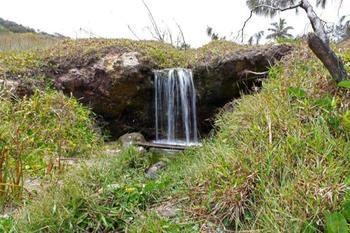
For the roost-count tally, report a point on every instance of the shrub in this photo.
(44, 127)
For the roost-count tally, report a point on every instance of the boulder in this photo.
(131, 138)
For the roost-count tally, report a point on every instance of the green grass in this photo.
(35, 132)
(278, 163)
(105, 197)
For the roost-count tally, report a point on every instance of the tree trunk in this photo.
(329, 59)
(319, 44)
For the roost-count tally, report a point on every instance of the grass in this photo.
(10, 41)
(278, 163)
(68, 53)
(37, 131)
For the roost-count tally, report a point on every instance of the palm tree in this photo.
(257, 37)
(279, 30)
(212, 34)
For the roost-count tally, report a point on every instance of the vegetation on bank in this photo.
(35, 133)
(278, 163)
(66, 53)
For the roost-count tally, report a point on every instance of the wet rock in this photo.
(218, 81)
(131, 138)
(153, 171)
(118, 87)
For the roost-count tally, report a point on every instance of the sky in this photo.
(110, 18)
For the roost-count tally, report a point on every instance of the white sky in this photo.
(109, 18)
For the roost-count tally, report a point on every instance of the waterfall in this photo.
(175, 107)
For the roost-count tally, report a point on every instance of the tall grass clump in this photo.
(280, 160)
(36, 131)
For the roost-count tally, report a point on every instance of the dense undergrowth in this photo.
(278, 163)
(35, 133)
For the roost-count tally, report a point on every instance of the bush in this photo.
(37, 130)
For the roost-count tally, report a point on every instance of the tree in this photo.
(341, 31)
(163, 34)
(279, 30)
(318, 41)
(257, 37)
(214, 35)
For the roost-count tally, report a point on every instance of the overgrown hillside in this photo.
(10, 26)
(16, 37)
(279, 162)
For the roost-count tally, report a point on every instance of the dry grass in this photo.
(24, 41)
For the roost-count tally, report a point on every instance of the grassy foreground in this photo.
(278, 163)
(36, 132)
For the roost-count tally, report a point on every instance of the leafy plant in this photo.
(336, 223)
(296, 92)
(345, 84)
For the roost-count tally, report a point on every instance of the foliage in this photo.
(345, 84)
(257, 37)
(341, 31)
(336, 223)
(268, 11)
(279, 163)
(279, 30)
(106, 197)
(14, 27)
(36, 131)
(213, 35)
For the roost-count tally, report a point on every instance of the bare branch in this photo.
(266, 6)
(133, 32)
(182, 34)
(246, 72)
(170, 35)
(158, 33)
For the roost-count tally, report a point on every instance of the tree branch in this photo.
(267, 6)
(182, 35)
(316, 22)
(158, 33)
(133, 32)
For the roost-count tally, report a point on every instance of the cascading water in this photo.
(175, 107)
